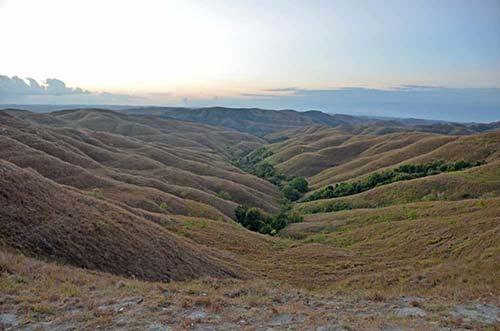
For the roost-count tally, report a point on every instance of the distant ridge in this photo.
(263, 122)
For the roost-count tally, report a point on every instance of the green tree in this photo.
(290, 193)
(300, 184)
(240, 213)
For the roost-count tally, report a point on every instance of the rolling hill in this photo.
(126, 220)
(259, 122)
(143, 169)
(44, 219)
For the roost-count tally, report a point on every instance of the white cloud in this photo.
(17, 90)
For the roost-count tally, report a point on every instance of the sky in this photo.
(403, 58)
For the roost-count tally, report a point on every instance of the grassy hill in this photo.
(259, 122)
(127, 221)
(480, 182)
(44, 219)
(330, 155)
(450, 246)
(140, 170)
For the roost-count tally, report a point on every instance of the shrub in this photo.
(163, 206)
(224, 195)
(337, 206)
(285, 205)
(266, 229)
(290, 193)
(300, 184)
(332, 207)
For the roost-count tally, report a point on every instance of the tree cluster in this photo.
(292, 187)
(256, 220)
(404, 172)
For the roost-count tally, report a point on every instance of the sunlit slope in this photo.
(327, 156)
(450, 248)
(478, 182)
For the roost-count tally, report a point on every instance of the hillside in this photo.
(326, 155)
(259, 122)
(129, 221)
(43, 219)
(264, 122)
(142, 167)
(419, 245)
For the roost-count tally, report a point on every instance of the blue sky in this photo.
(174, 52)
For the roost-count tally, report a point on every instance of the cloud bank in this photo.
(14, 90)
(51, 86)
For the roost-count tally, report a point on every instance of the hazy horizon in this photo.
(417, 59)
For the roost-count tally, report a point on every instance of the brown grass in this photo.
(139, 197)
(65, 297)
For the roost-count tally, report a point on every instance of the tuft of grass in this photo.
(100, 226)
(412, 215)
(317, 238)
(163, 206)
(97, 193)
(43, 309)
(69, 290)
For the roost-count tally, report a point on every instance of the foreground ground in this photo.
(44, 296)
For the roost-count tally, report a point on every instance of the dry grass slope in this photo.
(44, 219)
(133, 171)
(150, 197)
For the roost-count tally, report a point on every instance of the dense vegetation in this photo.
(331, 207)
(256, 220)
(292, 189)
(404, 172)
(254, 163)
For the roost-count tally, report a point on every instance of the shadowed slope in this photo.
(44, 219)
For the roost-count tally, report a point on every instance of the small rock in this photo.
(281, 319)
(327, 328)
(413, 311)
(9, 319)
(480, 312)
(159, 327)
(118, 307)
(197, 314)
(120, 284)
(391, 328)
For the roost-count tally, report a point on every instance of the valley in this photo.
(251, 219)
